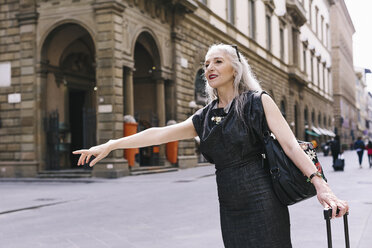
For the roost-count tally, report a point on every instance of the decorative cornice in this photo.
(108, 6)
(296, 76)
(186, 6)
(296, 11)
(27, 17)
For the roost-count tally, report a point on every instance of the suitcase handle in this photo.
(327, 216)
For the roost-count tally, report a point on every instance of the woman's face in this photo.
(218, 70)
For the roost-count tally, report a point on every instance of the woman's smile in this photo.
(212, 76)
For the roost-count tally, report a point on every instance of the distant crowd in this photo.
(336, 150)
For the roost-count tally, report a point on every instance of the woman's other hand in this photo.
(328, 199)
(99, 152)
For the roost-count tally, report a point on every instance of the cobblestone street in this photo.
(176, 210)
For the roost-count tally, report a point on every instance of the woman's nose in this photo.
(210, 67)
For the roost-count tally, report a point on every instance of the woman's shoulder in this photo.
(252, 96)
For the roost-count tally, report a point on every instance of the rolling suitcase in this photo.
(339, 163)
(327, 217)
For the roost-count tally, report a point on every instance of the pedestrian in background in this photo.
(335, 148)
(359, 148)
(369, 152)
(230, 132)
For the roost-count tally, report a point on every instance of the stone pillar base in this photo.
(111, 168)
(18, 168)
(187, 161)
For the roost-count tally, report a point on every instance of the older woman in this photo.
(230, 131)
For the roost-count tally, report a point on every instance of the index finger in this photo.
(80, 151)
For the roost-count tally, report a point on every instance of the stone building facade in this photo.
(316, 64)
(74, 68)
(369, 115)
(344, 86)
(361, 100)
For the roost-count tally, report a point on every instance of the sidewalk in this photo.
(353, 185)
(175, 210)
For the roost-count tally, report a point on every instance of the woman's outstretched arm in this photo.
(148, 137)
(279, 126)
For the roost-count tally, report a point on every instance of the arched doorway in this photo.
(283, 108)
(68, 61)
(199, 92)
(295, 119)
(148, 92)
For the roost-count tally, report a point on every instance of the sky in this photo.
(361, 14)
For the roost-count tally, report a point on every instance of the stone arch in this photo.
(200, 95)
(296, 117)
(283, 107)
(68, 83)
(313, 122)
(150, 41)
(197, 77)
(54, 26)
(148, 92)
(306, 116)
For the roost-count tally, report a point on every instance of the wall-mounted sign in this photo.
(184, 63)
(105, 109)
(14, 98)
(5, 74)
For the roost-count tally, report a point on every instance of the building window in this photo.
(231, 11)
(252, 19)
(295, 46)
(326, 35)
(324, 79)
(316, 20)
(317, 72)
(319, 119)
(268, 32)
(281, 30)
(306, 117)
(282, 108)
(321, 28)
(312, 117)
(200, 94)
(312, 68)
(304, 58)
(310, 11)
(329, 81)
(295, 120)
(325, 121)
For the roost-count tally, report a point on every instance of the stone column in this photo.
(187, 157)
(290, 44)
(160, 101)
(160, 106)
(27, 156)
(109, 18)
(128, 91)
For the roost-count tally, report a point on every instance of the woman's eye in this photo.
(219, 61)
(206, 65)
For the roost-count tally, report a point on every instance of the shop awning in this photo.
(323, 131)
(326, 132)
(332, 134)
(317, 131)
(311, 133)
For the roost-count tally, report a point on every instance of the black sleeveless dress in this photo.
(250, 214)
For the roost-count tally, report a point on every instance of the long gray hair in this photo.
(244, 79)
